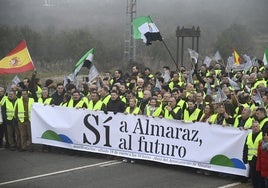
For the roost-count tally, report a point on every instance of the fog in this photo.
(105, 14)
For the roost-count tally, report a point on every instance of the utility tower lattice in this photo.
(130, 44)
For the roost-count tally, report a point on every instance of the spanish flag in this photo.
(237, 59)
(17, 60)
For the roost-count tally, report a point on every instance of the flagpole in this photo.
(177, 68)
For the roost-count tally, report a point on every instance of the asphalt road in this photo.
(60, 168)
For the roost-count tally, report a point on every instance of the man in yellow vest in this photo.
(77, 101)
(192, 113)
(45, 98)
(172, 111)
(3, 128)
(242, 121)
(95, 103)
(250, 152)
(23, 108)
(104, 95)
(262, 117)
(12, 125)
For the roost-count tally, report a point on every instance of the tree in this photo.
(236, 37)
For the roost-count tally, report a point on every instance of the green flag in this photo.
(85, 61)
(145, 29)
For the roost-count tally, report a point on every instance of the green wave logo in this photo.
(51, 135)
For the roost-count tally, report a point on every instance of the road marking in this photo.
(110, 164)
(229, 185)
(57, 172)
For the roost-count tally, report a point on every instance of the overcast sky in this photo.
(66, 14)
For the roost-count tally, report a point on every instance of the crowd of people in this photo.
(202, 94)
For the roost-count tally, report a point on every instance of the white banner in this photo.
(197, 145)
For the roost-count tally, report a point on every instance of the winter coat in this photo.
(262, 161)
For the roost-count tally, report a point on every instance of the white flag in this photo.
(193, 55)
(157, 84)
(220, 97)
(207, 61)
(248, 63)
(265, 57)
(15, 80)
(234, 84)
(209, 91)
(92, 73)
(230, 62)
(217, 56)
(257, 98)
(190, 77)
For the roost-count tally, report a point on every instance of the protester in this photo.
(172, 111)
(192, 113)
(250, 152)
(168, 94)
(132, 108)
(22, 114)
(77, 100)
(261, 116)
(262, 160)
(57, 96)
(3, 127)
(45, 98)
(12, 124)
(95, 103)
(153, 108)
(207, 113)
(115, 104)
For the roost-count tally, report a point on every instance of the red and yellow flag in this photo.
(17, 60)
(237, 59)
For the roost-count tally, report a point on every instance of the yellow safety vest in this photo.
(171, 85)
(167, 114)
(78, 105)
(64, 104)
(248, 123)
(140, 94)
(258, 82)
(253, 146)
(193, 116)
(246, 105)
(21, 111)
(157, 112)
(263, 122)
(85, 99)
(97, 106)
(181, 103)
(39, 92)
(135, 111)
(46, 101)
(10, 109)
(106, 99)
(2, 102)
(213, 119)
(123, 99)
